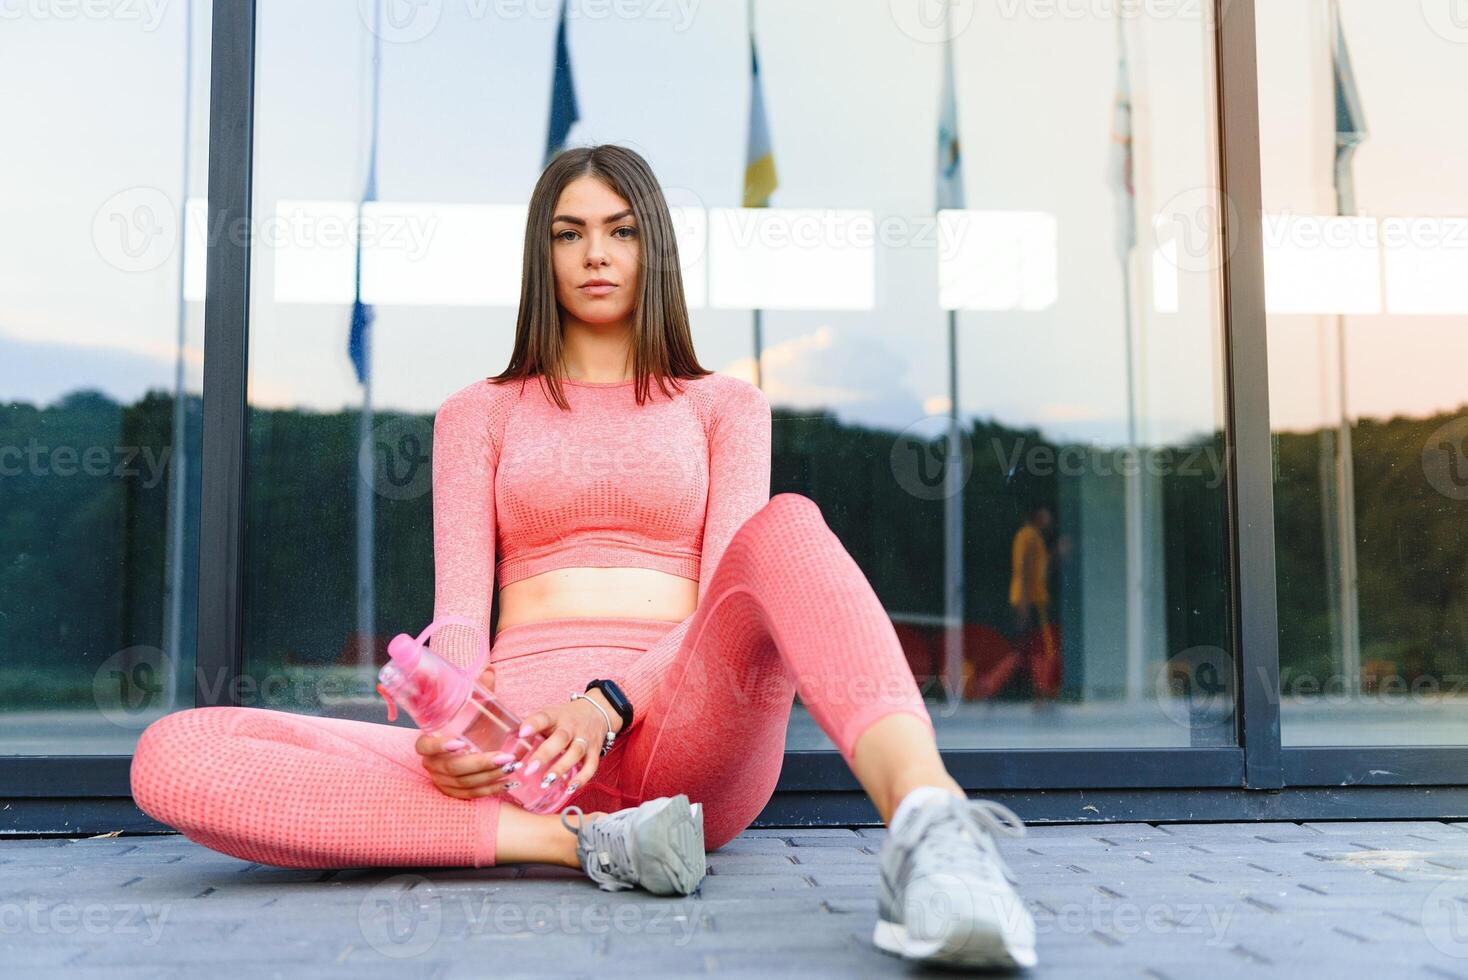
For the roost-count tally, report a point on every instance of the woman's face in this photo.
(594, 237)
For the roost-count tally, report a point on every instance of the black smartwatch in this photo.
(616, 699)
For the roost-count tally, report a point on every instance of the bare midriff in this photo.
(633, 593)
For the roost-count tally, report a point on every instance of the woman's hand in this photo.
(574, 733)
(465, 775)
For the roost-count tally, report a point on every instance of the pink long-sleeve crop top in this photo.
(521, 486)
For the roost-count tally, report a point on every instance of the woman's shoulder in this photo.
(726, 393)
(482, 400)
(484, 391)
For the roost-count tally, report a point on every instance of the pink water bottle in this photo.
(450, 702)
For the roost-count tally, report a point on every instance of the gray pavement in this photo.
(1379, 899)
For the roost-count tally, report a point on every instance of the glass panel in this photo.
(1366, 242)
(1077, 345)
(1084, 336)
(101, 363)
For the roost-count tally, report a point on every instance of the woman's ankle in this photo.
(568, 839)
(900, 792)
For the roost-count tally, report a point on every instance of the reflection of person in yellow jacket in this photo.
(1031, 563)
(1029, 592)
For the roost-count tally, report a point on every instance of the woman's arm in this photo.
(464, 459)
(739, 485)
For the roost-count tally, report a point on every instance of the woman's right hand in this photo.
(465, 775)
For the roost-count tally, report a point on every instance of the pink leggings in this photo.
(787, 611)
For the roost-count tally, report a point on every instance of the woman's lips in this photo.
(599, 290)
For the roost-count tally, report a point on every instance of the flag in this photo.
(1350, 122)
(1121, 162)
(359, 339)
(950, 164)
(563, 110)
(362, 315)
(759, 163)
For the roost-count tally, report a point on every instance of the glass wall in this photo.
(101, 358)
(995, 361)
(1367, 283)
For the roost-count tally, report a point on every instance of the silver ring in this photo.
(582, 740)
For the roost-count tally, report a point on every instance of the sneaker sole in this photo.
(972, 947)
(670, 848)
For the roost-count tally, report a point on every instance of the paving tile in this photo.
(800, 832)
(1137, 900)
(1356, 828)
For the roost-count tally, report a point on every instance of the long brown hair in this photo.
(662, 344)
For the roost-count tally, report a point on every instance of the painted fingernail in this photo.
(454, 744)
(511, 767)
(572, 787)
(550, 777)
(500, 758)
(525, 729)
(512, 784)
(534, 765)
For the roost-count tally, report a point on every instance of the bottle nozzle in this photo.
(404, 650)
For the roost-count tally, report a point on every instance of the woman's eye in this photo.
(561, 235)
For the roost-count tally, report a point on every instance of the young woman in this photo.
(644, 568)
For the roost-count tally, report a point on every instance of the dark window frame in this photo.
(1257, 779)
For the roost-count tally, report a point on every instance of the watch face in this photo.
(614, 695)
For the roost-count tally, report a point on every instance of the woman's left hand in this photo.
(574, 733)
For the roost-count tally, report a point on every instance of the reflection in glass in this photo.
(1365, 275)
(954, 343)
(101, 347)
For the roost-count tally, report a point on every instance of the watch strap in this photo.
(615, 698)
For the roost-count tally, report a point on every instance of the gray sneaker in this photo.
(946, 894)
(658, 845)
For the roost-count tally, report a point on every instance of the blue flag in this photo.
(360, 338)
(1350, 122)
(563, 111)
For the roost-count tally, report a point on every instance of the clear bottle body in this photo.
(487, 725)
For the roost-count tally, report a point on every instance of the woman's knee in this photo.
(784, 516)
(168, 749)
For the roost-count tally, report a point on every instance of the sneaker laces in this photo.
(967, 823)
(603, 848)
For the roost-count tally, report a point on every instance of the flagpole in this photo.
(757, 324)
(953, 612)
(949, 189)
(950, 194)
(366, 501)
(1344, 475)
(178, 497)
(1133, 509)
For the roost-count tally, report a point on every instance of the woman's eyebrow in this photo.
(572, 219)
